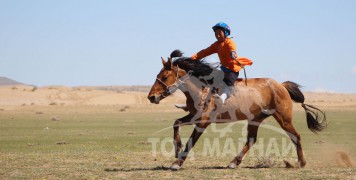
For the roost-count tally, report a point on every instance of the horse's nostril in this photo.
(151, 98)
(154, 99)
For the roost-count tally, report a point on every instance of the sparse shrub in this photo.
(61, 143)
(55, 118)
(52, 104)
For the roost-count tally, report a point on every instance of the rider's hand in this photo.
(233, 54)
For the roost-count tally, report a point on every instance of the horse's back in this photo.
(271, 90)
(255, 81)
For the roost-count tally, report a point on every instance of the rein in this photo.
(244, 70)
(173, 87)
(245, 75)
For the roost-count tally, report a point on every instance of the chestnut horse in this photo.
(252, 99)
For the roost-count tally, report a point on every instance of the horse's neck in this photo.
(193, 93)
(190, 87)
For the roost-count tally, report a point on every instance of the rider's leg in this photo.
(226, 91)
(229, 80)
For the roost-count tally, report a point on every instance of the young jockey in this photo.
(230, 63)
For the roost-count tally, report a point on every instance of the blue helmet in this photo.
(224, 26)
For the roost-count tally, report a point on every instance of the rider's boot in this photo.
(224, 95)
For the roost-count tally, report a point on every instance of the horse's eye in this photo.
(164, 78)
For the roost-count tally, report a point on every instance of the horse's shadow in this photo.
(165, 168)
(243, 167)
(157, 168)
(214, 167)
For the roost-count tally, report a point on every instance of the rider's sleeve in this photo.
(206, 52)
(242, 61)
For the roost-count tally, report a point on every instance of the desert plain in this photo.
(114, 132)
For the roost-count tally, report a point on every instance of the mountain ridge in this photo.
(4, 81)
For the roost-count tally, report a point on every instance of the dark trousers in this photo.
(230, 77)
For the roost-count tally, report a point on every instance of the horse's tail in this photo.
(316, 118)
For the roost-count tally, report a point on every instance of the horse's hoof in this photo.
(303, 163)
(175, 167)
(288, 165)
(231, 166)
(182, 106)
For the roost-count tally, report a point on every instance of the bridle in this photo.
(177, 83)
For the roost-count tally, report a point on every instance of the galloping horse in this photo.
(253, 99)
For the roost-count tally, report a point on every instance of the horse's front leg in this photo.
(198, 131)
(186, 120)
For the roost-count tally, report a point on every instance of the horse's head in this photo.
(168, 81)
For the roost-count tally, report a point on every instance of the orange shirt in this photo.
(224, 50)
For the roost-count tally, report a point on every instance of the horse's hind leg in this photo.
(285, 121)
(252, 130)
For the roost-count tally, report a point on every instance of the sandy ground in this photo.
(21, 95)
(59, 105)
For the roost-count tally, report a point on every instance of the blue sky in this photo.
(86, 42)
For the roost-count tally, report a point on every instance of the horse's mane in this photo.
(196, 67)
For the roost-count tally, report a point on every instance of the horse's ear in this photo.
(163, 61)
(170, 62)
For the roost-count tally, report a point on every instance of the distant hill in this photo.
(4, 81)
